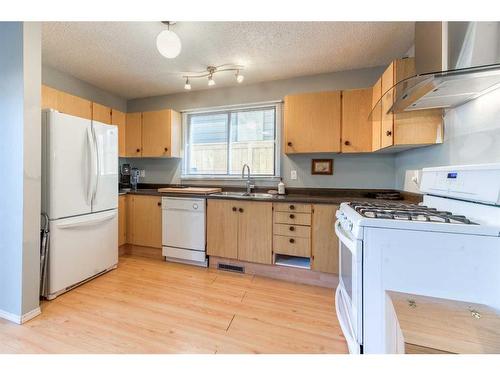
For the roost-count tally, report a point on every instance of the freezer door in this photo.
(81, 247)
(106, 187)
(66, 164)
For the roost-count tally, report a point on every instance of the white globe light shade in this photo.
(168, 44)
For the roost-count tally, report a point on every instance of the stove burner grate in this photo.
(406, 211)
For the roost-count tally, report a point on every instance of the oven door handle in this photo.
(344, 238)
(345, 324)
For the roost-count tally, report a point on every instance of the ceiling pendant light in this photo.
(168, 43)
(187, 85)
(211, 81)
(239, 77)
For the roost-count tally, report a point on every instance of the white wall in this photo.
(353, 171)
(471, 136)
(20, 79)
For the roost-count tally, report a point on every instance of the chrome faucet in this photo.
(249, 184)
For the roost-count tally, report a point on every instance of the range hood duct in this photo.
(455, 62)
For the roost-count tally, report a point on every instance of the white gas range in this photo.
(448, 247)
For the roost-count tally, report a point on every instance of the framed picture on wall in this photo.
(322, 166)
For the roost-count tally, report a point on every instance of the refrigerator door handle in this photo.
(97, 170)
(84, 222)
(92, 166)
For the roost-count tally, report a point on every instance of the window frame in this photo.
(186, 115)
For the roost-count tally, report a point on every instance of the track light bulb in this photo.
(239, 77)
(211, 81)
(187, 85)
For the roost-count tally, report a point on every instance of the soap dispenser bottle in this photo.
(281, 187)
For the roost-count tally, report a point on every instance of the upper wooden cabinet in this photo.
(376, 116)
(240, 230)
(409, 129)
(66, 103)
(101, 113)
(356, 125)
(133, 134)
(161, 133)
(312, 122)
(118, 118)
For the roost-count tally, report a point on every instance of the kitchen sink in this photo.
(240, 194)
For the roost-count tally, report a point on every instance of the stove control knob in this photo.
(349, 225)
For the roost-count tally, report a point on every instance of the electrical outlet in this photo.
(142, 173)
(293, 174)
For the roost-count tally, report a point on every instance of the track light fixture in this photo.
(211, 70)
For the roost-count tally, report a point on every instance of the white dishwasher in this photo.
(183, 230)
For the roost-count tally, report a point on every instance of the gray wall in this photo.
(472, 136)
(67, 83)
(20, 77)
(355, 171)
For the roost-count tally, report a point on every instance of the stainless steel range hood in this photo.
(455, 62)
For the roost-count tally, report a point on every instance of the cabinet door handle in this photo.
(166, 149)
(240, 209)
(292, 207)
(291, 240)
(234, 209)
(289, 144)
(292, 216)
(159, 204)
(347, 143)
(138, 150)
(388, 133)
(292, 229)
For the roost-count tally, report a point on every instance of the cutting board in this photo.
(190, 190)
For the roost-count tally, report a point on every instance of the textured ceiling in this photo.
(121, 57)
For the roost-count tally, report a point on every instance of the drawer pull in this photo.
(292, 216)
(240, 209)
(234, 209)
(159, 204)
(292, 229)
(289, 144)
(291, 240)
(292, 207)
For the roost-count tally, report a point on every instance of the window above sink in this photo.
(219, 141)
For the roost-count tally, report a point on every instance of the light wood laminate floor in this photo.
(150, 306)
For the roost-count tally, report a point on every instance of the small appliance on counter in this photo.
(134, 178)
(125, 177)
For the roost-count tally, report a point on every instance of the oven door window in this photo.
(346, 268)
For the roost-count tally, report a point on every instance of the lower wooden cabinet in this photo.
(325, 244)
(144, 220)
(255, 232)
(240, 230)
(122, 220)
(222, 228)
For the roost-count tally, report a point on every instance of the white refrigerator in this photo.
(80, 197)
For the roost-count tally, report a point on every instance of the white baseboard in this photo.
(20, 319)
(30, 315)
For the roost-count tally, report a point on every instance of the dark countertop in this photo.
(297, 195)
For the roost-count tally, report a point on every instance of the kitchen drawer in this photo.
(296, 246)
(293, 207)
(292, 230)
(292, 218)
